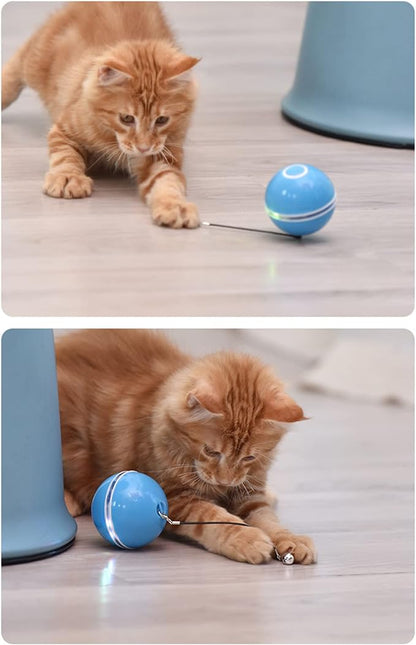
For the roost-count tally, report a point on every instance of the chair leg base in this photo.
(346, 137)
(37, 556)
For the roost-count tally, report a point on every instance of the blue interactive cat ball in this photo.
(300, 199)
(125, 509)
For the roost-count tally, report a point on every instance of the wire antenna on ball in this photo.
(253, 230)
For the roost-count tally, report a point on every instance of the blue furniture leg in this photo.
(35, 520)
(355, 72)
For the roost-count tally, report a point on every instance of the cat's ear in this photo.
(179, 68)
(281, 407)
(201, 408)
(112, 73)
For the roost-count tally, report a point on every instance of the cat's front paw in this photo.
(67, 186)
(175, 214)
(300, 546)
(248, 545)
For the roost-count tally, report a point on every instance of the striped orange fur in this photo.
(206, 429)
(119, 92)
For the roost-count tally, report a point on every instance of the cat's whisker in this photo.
(97, 160)
(165, 159)
(248, 483)
(175, 145)
(193, 479)
(261, 456)
(121, 156)
(257, 486)
(167, 151)
(104, 153)
(111, 155)
(238, 494)
(245, 488)
(251, 477)
(252, 489)
(162, 155)
(170, 468)
(244, 491)
(199, 487)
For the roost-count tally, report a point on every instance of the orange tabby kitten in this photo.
(118, 90)
(206, 429)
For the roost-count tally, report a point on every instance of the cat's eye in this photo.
(127, 119)
(211, 453)
(248, 458)
(161, 120)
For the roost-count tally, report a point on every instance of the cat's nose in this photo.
(143, 149)
(225, 482)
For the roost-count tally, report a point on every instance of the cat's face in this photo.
(222, 464)
(142, 93)
(230, 422)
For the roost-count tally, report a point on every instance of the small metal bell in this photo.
(288, 558)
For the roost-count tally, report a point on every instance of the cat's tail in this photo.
(12, 81)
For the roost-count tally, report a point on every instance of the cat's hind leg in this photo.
(71, 503)
(12, 81)
(66, 177)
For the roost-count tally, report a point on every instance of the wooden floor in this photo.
(345, 477)
(102, 256)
